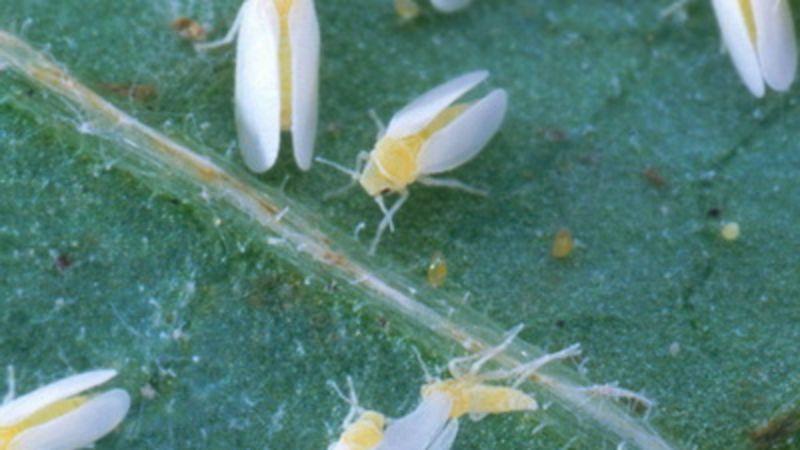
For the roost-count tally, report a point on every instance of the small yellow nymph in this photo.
(57, 417)
(470, 393)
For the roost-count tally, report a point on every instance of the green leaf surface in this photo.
(631, 131)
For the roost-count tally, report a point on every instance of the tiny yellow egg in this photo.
(562, 244)
(406, 9)
(730, 231)
(437, 270)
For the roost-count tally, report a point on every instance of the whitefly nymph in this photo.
(60, 416)
(431, 135)
(760, 37)
(277, 77)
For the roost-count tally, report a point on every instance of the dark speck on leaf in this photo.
(554, 134)
(654, 177)
(714, 213)
(63, 262)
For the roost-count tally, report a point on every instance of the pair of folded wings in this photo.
(258, 84)
(464, 137)
(426, 428)
(772, 56)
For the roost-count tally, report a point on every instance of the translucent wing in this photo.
(776, 45)
(737, 40)
(418, 429)
(449, 6)
(420, 112)
(464, 137)
(257, 97)
(24, 406)
(446, 438)
(78, 428)
(305, 43)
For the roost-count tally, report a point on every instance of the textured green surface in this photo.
(97, 269)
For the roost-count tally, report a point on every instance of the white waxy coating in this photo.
(737, 40)
(79, 427)
(775, 45)
(464, 137)
(22, 407)
(449, 6)
(305, 45)
(257, 95)
(421, 427)
(421, 112)
(446, 438)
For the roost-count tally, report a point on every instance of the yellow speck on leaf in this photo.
(730, 231)
(562, 244)
(189, 29)
(437, 270)
(406, 9)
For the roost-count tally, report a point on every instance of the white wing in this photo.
(464, 137)
(24, 406)
(737, 40)
(419, 428)
(79, 427)
(419, 113)
(257, 97)
(449, 6)
(304, 36)
(446, 438)
(776, 45)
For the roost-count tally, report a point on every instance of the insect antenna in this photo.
(351, 400)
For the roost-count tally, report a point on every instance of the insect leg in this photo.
(428, 377)
(361, 158)
(526, 370)
(229, 37)
(352, 400)
(385, 211)
(452, 184)
(387, 221)
(483, 356)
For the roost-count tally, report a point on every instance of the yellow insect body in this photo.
(749, 19)
(392, 165)
(40, 417)
(406, 9)
(470, 396)
(363, 434)
(285, 56)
